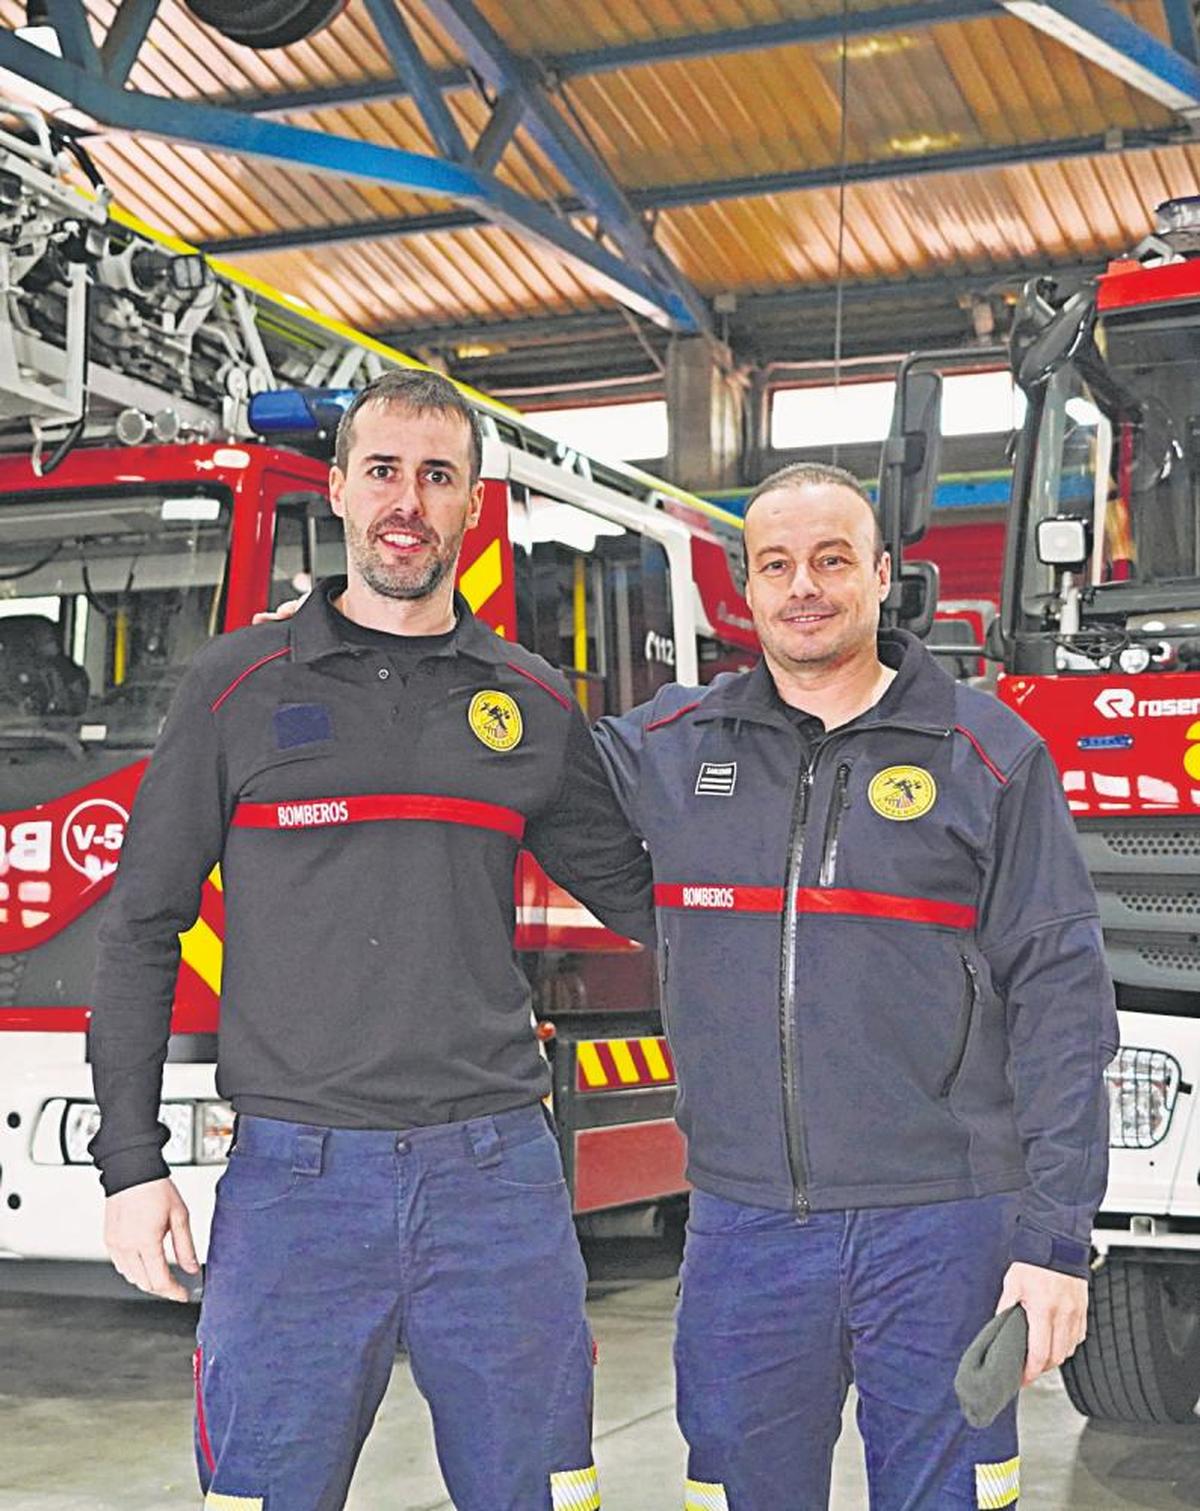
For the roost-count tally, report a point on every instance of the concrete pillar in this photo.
(704, 417)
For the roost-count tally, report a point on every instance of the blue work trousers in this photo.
(330, 1247)
(777, 1316)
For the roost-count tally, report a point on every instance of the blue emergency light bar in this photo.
(298, 411)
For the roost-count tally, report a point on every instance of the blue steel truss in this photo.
(324, 152)
(582, 168)
(1112, 41)
(524, 91)
(721, 42)
(706, 191)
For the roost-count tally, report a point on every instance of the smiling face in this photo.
(813, 583)
(406, 499)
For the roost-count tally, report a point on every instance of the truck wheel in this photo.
(1140, 1361)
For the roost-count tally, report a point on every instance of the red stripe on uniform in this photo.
(983, 755)
(670, 718)
(241, 677)
(846, 902)
(712, 897)
(545, 686)
(201, 1419)
(330, 812)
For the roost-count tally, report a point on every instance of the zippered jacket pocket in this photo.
(966, 1018)
(833, 823)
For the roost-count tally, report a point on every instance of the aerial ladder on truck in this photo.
(165, 429)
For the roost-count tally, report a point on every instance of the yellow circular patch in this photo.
(902, 792)
(496, 720)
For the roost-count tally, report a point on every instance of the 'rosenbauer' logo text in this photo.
(1121, 703)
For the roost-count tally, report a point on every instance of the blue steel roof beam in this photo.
(69, 20)
(706, 191)
(125, 37)
(1182, 28)
(205, 126)
(422, 84)
(1115, 43)
(809, 30)
(584, 170)
(494, 138)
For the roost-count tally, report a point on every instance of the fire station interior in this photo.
(666, 247)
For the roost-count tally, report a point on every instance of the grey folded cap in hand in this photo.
(990, 1372)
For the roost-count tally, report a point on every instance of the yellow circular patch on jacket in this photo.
(902, 792)
(496, 720)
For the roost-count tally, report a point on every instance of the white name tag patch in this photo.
(716, 779)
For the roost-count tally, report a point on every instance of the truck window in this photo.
(595, 600)
(103, 601)
(1121, 450)
(307, 548)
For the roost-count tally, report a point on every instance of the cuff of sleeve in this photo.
(132, 1167)
(1066, 1255)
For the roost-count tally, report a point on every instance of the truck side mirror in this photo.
(919, 584)
(909, 465)
(1044, 337)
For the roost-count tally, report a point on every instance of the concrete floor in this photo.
(95, 1408)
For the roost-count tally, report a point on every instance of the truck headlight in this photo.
(201, 1131)
(1142, 1087)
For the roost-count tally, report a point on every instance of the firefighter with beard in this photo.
(364, 774)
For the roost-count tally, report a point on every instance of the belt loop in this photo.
(310, 1151)
(485, 1141)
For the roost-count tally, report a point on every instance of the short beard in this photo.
(399, 583)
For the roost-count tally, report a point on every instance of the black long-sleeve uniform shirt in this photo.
(366, 813)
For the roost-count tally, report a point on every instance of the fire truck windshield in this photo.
(1117, 443)
(103, 600)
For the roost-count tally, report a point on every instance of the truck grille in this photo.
(12, 971)
(1161, 902)
(1141, 839)
(1147, 878)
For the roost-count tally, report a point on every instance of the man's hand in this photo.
(284, 611)
(1056, 1306)
(136, 1222)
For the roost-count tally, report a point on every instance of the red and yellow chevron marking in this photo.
(198, 988)
(485, 568)
(618, 1064)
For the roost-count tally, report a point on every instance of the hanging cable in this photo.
(843, 149)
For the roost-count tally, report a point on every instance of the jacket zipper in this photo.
(793, 1133)
(965, 1019)
(841, 801)
(797, 1167)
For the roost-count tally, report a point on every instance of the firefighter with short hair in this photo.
(364, 773)
(889, 1010)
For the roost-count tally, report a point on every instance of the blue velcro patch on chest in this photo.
(302, 724)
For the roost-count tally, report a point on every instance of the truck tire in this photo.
(1140, 1361)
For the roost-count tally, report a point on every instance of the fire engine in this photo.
(1099, 638)
(164, 440)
